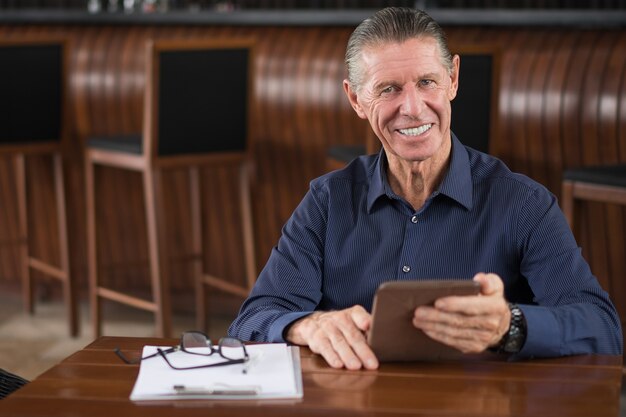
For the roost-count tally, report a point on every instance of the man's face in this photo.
(405, 94)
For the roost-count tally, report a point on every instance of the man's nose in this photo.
(411, 102)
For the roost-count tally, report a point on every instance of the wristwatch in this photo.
(513, 340)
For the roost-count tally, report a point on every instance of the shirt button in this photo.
(406, 268)
(414, 219)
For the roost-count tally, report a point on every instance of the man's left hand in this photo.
(470, 324)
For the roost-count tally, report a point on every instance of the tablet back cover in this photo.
(393, 336)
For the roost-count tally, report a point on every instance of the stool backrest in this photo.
(33, 94)
(197, 98)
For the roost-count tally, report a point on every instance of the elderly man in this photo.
(425, 207)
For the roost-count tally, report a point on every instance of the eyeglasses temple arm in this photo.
(119, 353)
(228, 362)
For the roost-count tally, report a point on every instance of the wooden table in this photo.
(93, 382)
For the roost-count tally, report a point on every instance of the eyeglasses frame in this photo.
(180, 347)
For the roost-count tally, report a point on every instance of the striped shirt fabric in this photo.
(350, 233)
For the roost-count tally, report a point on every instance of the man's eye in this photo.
(426, 83)
(387, 90)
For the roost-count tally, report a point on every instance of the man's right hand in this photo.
(339, 336)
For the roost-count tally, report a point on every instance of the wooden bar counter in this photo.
(561, 93)
(94, 382)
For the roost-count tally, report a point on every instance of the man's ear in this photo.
(454, 77)
(352, 98)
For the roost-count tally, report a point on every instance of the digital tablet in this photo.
(393, 337)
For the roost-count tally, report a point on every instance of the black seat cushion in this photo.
(614, 175)
(122, 143)
(346, 153)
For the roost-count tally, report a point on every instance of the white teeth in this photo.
(414, 131)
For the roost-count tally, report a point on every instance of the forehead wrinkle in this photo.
(385, 64)
(392, 81)
(395, 76)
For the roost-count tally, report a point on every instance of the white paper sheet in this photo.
(273, 371)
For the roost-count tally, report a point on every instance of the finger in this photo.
(344, 336)
(490, 301)
(337, 349)
(459, 329)
(465, 345)
(357, 342)
(462, 327)
(363, 321)
(471, 305)
(366, 355)
(339, 338)
(430, 317)
(489, 283)
(323, 347)
(361, 318)
(346, 353)
(317, 331)
(464, 333)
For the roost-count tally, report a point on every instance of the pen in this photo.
(199, 390)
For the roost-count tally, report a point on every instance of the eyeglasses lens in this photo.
(231, 348)
(198, 343)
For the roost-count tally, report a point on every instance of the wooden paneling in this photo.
(562, 103)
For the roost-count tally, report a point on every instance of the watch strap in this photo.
(513, 340)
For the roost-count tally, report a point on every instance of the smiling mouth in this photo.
(416, 131)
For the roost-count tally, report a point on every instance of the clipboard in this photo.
(393, 337)
(273, 372)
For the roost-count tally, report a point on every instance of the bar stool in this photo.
(196, 114)
(605, 184)
(34, 121)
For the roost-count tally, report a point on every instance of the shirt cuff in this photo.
(543, 334)
(275, 334)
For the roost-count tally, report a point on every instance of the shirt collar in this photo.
(457, 184)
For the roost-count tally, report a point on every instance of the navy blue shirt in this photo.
(351, 232)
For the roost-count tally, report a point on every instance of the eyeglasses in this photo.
(198, 343)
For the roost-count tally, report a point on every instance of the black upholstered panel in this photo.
(202, 101)
(471, 108)
(31, 88)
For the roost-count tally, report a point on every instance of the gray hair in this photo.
(392, 25)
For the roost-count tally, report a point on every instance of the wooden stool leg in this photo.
(22, 207)
(249, 252)
(155, 223)
(92, 250)
(202, 322)
(246, 222)
(66, 280)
